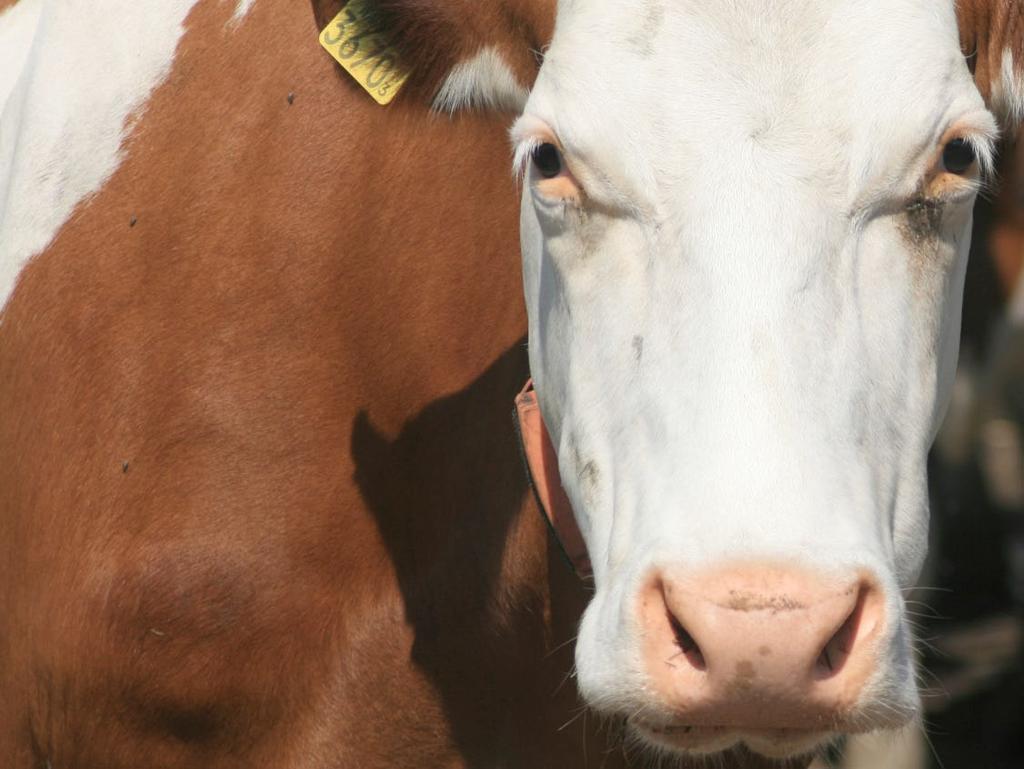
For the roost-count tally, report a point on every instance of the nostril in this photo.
(838, 648)
(836, 651)
(687, 645)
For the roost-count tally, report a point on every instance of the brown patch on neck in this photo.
(249, 588)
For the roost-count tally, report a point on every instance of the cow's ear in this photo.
(992, 39)
(460, 54)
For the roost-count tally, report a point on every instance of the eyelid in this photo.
(980, 131)
(613, 195)
(528, 133)
(939, 184)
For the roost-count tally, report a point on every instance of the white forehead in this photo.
(834, 91)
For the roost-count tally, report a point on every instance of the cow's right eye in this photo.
(958, 156)
(547, 160)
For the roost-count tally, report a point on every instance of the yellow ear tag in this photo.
(366, 55)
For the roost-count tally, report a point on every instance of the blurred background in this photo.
(970, 606)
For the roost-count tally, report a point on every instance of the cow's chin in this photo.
(782, 745)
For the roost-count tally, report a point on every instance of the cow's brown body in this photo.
(260, 499)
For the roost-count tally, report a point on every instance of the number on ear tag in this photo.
(366, 54)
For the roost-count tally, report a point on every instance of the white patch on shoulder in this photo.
(242, 10)
(17, 30)
(1008, 90)
(483, 82)
(75, 76)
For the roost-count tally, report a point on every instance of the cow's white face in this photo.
(744, 234)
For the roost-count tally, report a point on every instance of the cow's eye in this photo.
(547, 160)
(958, 156)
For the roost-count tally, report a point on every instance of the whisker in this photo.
(579, 714)
(561, 646)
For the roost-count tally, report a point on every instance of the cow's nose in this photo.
(760, 647)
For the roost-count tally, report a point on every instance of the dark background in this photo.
(971, 604)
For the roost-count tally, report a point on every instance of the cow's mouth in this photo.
(773, 744)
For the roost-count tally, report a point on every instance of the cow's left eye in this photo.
(958, 156)
(547, 160)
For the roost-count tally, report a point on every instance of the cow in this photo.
(742, 378)
(260, 502)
